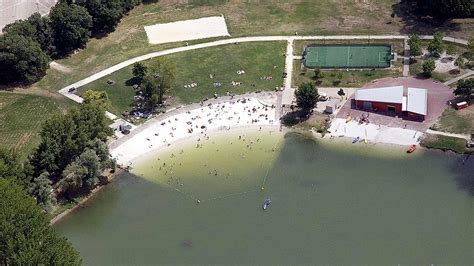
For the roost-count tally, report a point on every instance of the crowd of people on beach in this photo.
(219, 116)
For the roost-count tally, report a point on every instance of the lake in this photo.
(332, 203)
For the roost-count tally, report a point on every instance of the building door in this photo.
(391, 108)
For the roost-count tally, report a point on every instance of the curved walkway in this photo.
(65, 91)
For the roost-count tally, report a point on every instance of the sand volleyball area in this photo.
(186, 30)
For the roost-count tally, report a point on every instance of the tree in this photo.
(318, 74)
(139, 71)
(459, 62)
(436, 46)
(465, 88)
(306, 97)
(428, 67)
(450, 49)
(445, 9)
(21, 59)
(13, 168)
(64, 137)
(105, 14)
(102, 150)
(415, 45)
(26, 237)
(97, 97)
(470, 48)
(82, 175)
(157, 82)
(42, 191)
(71, 26)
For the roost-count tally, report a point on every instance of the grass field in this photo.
(454, 121)
(244, 18)
(256, 59)
(21, 116)
(352, 78)
(444, 143)
(417, 70)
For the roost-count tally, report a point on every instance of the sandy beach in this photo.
(196, 123)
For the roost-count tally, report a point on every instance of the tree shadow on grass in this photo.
(413, 21)
(294, 117)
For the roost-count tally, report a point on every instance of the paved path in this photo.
(461, 136)
(131, 61)
(465, 75)
(406, 59)
(288, 92)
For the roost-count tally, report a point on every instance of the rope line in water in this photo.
(275, 147)
(229, 195)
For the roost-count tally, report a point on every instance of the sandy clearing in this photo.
(185, 30)
(195, 123)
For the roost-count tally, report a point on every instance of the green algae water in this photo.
(331, 204)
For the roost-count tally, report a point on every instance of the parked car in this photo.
(461, 105)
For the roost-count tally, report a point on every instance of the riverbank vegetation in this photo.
(69, 161)
(444, 143)
(26, 237)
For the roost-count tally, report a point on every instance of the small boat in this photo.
(266, 203)
(411, 149)
(348, 119)
(355, 140)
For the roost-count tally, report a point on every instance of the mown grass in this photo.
(256, 59)
(244, 18)
(454, 121)
(351, 78)
(21, 117)
(416, 69)
(444, 143)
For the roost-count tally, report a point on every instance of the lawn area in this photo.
(21, 116)
(256, 59)
(417, 70)
(244, 18)
(444, 143)
(454, 121)
(352, 78)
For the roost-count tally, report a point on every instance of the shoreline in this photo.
(338, 141)
(58, 217)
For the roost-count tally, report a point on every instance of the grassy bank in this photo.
(456, 121)
(256, 59)
(351, 78)
(21, 116)
(444, 143)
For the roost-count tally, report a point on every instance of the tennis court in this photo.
(347, 56)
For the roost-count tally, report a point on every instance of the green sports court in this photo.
(347, 56)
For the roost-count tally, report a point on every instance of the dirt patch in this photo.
(58, 67)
